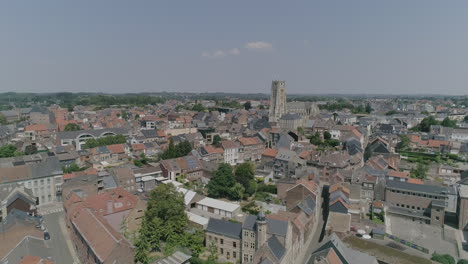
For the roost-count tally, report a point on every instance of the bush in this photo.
(267, 188)
(443, 258)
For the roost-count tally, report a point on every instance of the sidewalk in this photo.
(70, 246)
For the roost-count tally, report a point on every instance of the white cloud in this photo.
(234, 51)
(259, 45)
(219, 54)
(215, 54)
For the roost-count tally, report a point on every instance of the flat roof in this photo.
(424, 188)
(218, 204)
(463, 191)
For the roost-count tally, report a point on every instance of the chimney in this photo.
(110, 207)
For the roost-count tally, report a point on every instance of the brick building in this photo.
(418, 202)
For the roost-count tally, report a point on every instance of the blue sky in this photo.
(328, 46)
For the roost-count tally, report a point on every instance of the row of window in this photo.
(419, 194)
(246, 245)
(221, 241)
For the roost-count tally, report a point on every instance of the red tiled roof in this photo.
(116, 148)
(247, 141)
(35, 260)
(36, 127)
(399, 174)
(269, 152)
(341, 201)
(415, 181)
(138, 147)
(213, 150)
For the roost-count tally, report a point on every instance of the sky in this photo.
(327, 46)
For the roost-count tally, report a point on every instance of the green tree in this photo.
(138, 163)
(301, 131)
(3, 120)
(326, 135)
(315, 139)
(198, 108)
(213, 250)
(30, 149)
(391, 112)
(164, 224)
(247, 105)
(236, 192)
(404, 143)
(221, 183)
(244, 174)
(426, 123)
(72, 127)
(420, 172)
(465, 119)
(216, 140)
(105, 141)
(447, 122)
(462, 261)
(368, 108)
(174, 151)
(443, 258)
(8, 151)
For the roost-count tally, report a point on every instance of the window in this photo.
(234, 255)
(221, 241)
(234, 244)
(221, 250)
(252, 234)
(228, 256)
(246, 257)
(252, 245)
(246, 233)
(216, 239)
(437, 218)
(251, 258)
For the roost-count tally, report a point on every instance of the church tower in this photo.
(277, 101)
(261, 229)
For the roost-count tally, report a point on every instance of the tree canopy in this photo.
(175, 151)
(419, 172)
(30, 149)
(443, 258)
(72, 127)
(9, 150)
(104, 141)
(223, 184)
(245, 175)
(164, 226)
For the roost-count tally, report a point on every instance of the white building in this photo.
(218, 207)
(44, 179)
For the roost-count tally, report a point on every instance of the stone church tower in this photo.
(277, 100)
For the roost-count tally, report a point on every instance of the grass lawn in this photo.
(384, 253)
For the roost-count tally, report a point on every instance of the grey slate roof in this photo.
(424, 188)
(225, 228)
(249, 222)
(291, 116)
(94, 132)
(277, 227)
(276, 247)
(308, 205)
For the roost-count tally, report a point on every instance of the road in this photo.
(60, 243)
(313, 242)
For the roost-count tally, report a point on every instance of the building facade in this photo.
(277, 101)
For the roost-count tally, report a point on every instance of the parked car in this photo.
(46, 235)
